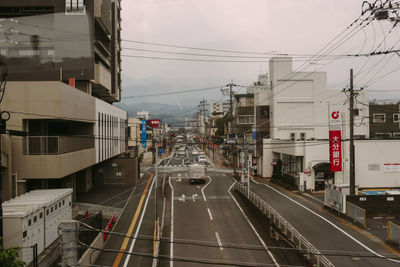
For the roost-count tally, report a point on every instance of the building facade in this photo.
(384, 119)
(63, 128)
(219, 109)
(299, 104)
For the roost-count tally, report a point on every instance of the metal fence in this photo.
(356, 213)
(393, 232)
(54, 145)
(295, 238)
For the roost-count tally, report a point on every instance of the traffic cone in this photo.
(86, 214)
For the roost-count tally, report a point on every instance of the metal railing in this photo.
(356, 213)
(295, 238)
(55, 145)
(393, 232)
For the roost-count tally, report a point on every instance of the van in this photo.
(197, 174)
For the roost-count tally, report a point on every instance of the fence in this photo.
(334, 199)
(356, 213)
(296, 239)
(393, 232)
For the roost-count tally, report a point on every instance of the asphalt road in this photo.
(324, 231)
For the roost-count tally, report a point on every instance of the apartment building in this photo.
(64, 73)
(384, 119)
(219, 109)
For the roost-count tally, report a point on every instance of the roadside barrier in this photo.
(393, 232)
(356, 213)
(295, 238)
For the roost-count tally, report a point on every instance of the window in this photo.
(35, 219)
(47, 212)
(55, 207)
(246, 119)
(302, 136)
(397, 134)
(396, 117)
(29, 222)
(51, 209)
(63, 201)
(41, 215)
(292, 136)
(379, 117)
(74, 7)
(24, 234)
(59, 204)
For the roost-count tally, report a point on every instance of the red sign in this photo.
(335, 150)
(154, 123)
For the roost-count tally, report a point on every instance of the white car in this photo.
(202, 159)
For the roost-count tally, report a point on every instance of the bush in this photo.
(9, 256)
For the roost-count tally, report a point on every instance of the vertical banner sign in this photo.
(144, 133)
(254, 129)
(335, 140)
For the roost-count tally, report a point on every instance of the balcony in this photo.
(56, 145)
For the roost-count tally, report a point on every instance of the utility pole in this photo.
(352, 155)
(231, 85)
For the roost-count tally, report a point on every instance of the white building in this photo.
(219, 109)
(142, 115)
(299, 123)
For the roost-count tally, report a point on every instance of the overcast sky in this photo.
(284, 26)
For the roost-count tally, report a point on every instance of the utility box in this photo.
(33, 218)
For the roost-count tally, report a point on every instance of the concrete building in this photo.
(299, 104)
(142, 115)
(219, 109)
(63, 128)
(384, 119)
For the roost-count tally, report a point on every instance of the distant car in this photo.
(182, 154)
(197, 174)
(202, 159)
(195, 152)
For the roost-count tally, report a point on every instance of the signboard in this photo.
(335, 150)
(335, 139)
(391, 167)
(154, 123)
(144, 133)
(254, 129)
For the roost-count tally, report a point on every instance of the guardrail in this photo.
(296, 239)
(393, 232)
(356, 213)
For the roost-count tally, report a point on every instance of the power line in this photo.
(175, 92)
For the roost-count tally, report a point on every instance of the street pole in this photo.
(352, 155)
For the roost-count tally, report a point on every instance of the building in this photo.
(219, 109)
(134, 137)
(142, 115)
(384, 119)
(299, 104)
(63, 129)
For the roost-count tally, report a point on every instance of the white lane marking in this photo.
(252, 227)
(219, 241)
(331, 223)
(316, 199)
(209, 214)
(202, 189)
(171, 244)
(139, 225)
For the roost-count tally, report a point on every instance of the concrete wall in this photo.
(374, 154)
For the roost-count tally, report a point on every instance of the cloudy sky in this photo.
(300, 27)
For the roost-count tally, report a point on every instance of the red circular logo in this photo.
(335, 115)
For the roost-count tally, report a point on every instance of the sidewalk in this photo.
(218, 158)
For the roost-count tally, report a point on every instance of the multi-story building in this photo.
(299, 104)
(142, 115)
(219, 109)
(64, 73)
(384, 119)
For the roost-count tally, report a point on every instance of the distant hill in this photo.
(174, 115)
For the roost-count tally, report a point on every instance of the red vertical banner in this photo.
(335, 150)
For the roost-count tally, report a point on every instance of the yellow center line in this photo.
(132, 226)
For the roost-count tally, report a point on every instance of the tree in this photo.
(9, 256)
(220, 123)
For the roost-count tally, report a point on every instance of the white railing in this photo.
(296, 239)
(393, 232)
(356, 213)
